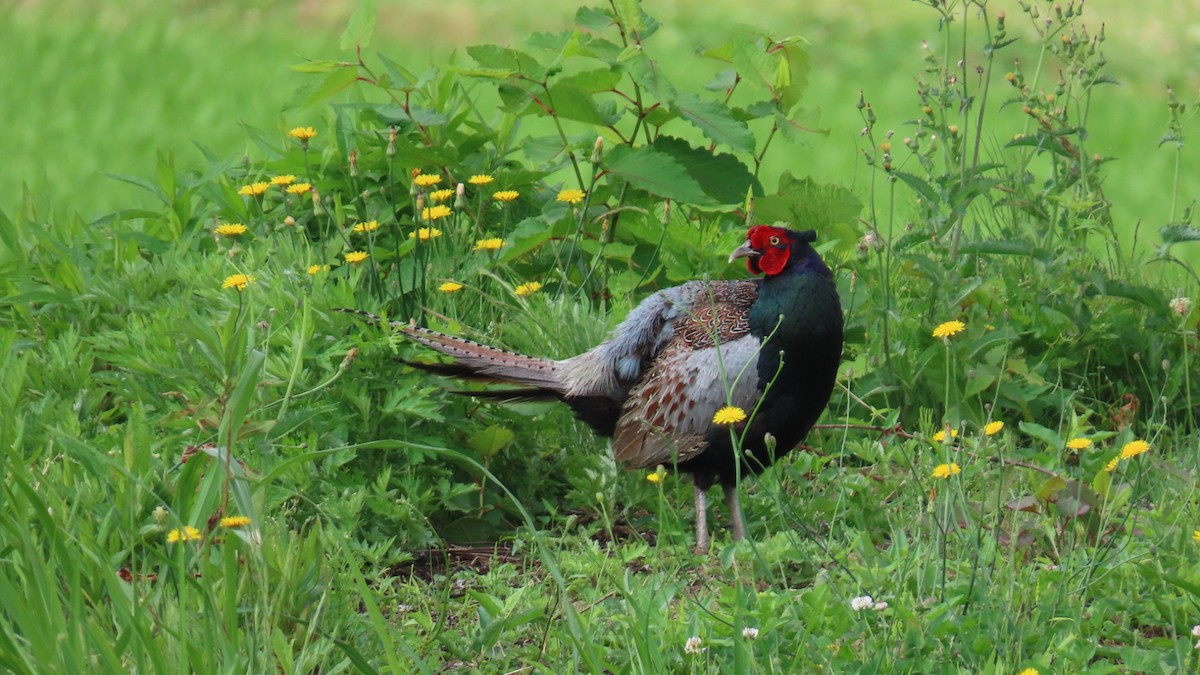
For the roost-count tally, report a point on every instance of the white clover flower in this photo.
(750, 633)
(1181, 305)
(1196, 630)
(693, 645)
(861, 602)
(881, 605)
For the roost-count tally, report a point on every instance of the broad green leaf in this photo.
(806, 204)
(791, 73)
(360, 27)
(402, 78)
(646, 73)
(722, 176)
(505, 58)
(593, 81)
(716, 121)
(316, 66)
(572, 103)
(593, 18)
(316, 92)
(1048, 490)
(802, 125)
(491, 440)
(634, 19)
(1048, 436)
(655, 172)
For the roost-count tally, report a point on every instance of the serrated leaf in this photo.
(634, 18)
(925, 190)
(655, 172)
(360, 27)
(646, 73)
(1175, 233)
(491, 440)
(715, 120)
(494, 57)
(593, 18)
(722, 176)
(805, 204)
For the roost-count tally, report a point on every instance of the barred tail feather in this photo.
(484, 361)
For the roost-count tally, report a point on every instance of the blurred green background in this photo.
(94, 89)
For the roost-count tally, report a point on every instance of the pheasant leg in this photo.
(736, 522)
(701, 495)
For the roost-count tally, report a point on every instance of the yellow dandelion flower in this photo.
(940, 436)
(441, 195)
(946, 470)
(299, 188)
(493, 244)
(231, 229)
(570, 196)
(427, 179)
(179, 534)
(1112, 464)
(425, 233)
(1079, 444)
(303, 134)
(1029, 671)
(317, 269)
(1134, 448)
(529, 288)
(254, 189)
(948, 329)
(369, 226)
(1196, 535)
(505, 195)
(355, 257)
(238, 281)
(436, 212)
(480, 179)
(993, 428)
(728, 415)
(286, 179)
(654, 477)
(234, 522)
(450, 287)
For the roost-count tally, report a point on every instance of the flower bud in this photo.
(353, 163)
(598, 150)
(160, 515)
(391, 146)
(460, 196)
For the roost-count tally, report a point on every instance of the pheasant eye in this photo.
(774, 241)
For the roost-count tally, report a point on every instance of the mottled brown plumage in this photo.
(768, 345)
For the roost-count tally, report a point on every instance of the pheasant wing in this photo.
(708, 361)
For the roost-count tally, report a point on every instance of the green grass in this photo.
(138, 397)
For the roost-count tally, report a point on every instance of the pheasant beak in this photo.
(744, 251)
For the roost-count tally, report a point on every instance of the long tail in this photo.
(472, 359)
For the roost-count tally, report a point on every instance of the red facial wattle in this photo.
(774, 247)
